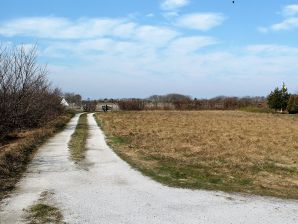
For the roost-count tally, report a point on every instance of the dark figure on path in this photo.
(105, 108)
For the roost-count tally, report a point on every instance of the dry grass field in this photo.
(220, 150)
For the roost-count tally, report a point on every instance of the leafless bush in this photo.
(26, 98)
(132, 104)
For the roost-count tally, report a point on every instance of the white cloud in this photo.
(150, 15)
(33, 26)
(263, 29)
(187, 45)
(287, 24)
(200, 21)
(272, 49)
(62, 28)
(290, 10)
(170, 15)
(124, 30)
(170, 5)
(155, 35)
(93, 28)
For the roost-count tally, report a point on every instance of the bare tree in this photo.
(26, 98)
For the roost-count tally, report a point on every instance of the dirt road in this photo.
(107, 190)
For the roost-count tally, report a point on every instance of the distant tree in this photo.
(279, 98)
(174, 97)
(73, 98)
(293, 104)
(132, 104)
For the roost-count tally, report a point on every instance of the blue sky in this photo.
(137, 48)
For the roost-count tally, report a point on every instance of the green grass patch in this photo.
(77, 143)
(272, 167)
(119, 140)
(257, 110)
(43, 213)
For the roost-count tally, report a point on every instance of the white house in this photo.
(64, 103)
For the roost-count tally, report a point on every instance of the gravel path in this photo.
(106, 190)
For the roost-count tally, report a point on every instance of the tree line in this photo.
(183, 102)
(278, 100)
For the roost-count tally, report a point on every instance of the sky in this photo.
(138, 48)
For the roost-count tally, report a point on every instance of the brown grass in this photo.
(15, 155)
(219, 150)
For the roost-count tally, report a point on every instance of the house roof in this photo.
(64, 102)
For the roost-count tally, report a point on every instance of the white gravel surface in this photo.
(106, 190)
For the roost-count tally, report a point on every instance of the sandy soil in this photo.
(107, 190)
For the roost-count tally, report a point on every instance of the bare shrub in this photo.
(26, 98)
(132, 104)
